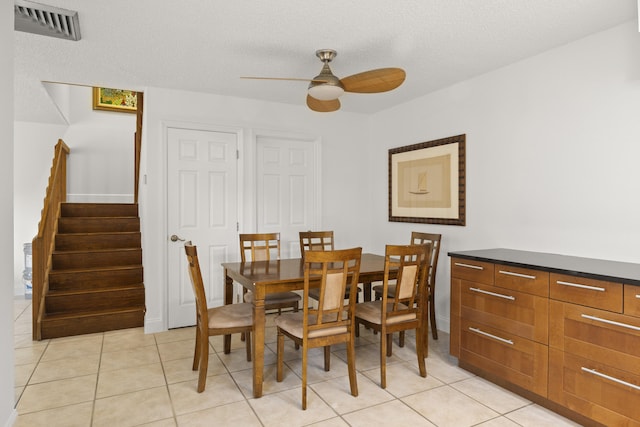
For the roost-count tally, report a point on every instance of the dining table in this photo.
(265, 277)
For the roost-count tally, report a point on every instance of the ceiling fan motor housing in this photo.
(326, 86)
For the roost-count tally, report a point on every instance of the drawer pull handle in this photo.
(476, 267)
(509, 297)
(511, 273)
(638, 296)
(611, 322)
(486, 334)
(610, 378)
(578, 285)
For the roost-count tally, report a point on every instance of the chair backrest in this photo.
(418, 238)
(260, 246)
(335, 270)
(196, 282)
(409, 264)
(316, 241)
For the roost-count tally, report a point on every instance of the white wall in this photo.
(7, 371)
(343, 138)
(553, 144)
(33, 154)
(99, 167)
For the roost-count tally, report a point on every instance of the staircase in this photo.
(96, 278)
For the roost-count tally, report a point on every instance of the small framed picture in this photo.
(427, 182)
(121, 100)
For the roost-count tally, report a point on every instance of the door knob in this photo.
(175, 238)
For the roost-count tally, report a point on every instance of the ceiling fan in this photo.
(325, 88)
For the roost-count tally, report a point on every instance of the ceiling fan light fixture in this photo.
(325, 91)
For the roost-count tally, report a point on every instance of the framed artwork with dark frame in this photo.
(427, 182)
(125, 101)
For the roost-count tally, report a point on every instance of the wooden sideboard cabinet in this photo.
(563, 331)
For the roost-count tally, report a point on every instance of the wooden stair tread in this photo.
(96, 269)
(91, 313)
(58, 293)
(80, 251)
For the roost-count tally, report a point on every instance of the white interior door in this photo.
(201, 207)
(287, 189)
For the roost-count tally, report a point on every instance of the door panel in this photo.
(287, 189)
(201, 207)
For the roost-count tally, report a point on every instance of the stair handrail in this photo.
(43, 243)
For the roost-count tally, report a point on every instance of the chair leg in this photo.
(304, 376)
(248, 346)
(351, 363)
(295, 310)
(432, 317)
(204, 363)
(401, 339)
(383, 360)
(389, 338)
(196, 351)
(327, 358)
(420, 336)
(279, 358)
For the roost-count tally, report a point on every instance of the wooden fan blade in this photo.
(374, 81)
(323, 106)
(284, 78)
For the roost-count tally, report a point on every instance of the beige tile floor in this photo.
(127, 378)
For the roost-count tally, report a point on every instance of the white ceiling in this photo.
(206, 45)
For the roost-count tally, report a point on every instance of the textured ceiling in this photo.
(206, 45)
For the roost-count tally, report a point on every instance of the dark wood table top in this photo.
(292, 270)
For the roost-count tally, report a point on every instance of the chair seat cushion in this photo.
(292, 323)
(275, 298)
(371, 312)
(231, 316)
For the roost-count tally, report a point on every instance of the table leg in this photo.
(228, 299)
(367, 291)
(258, 344)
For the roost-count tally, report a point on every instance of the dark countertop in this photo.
(612, 271)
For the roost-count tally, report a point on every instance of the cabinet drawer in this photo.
(601, 392)
(589, 292)
(511, 311)
(474, 271)
(517, 360)
(522, 279)
(632, 300)
(601, 336)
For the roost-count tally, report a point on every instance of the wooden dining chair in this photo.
(418, 238)
(403, 309)
(224, 320)
(332, 322)
(318, 241)
(265, 247)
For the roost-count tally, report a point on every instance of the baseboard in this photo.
(12, 418)
(152, 326)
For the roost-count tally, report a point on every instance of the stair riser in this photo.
(55, 328)
(98, 225)
(79, 242)
(101, 300)
(98, 209)
(122, 257)
(74, 280)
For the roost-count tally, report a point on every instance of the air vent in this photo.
(46, 20)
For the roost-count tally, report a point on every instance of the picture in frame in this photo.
(427, 182)
(121, 100)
